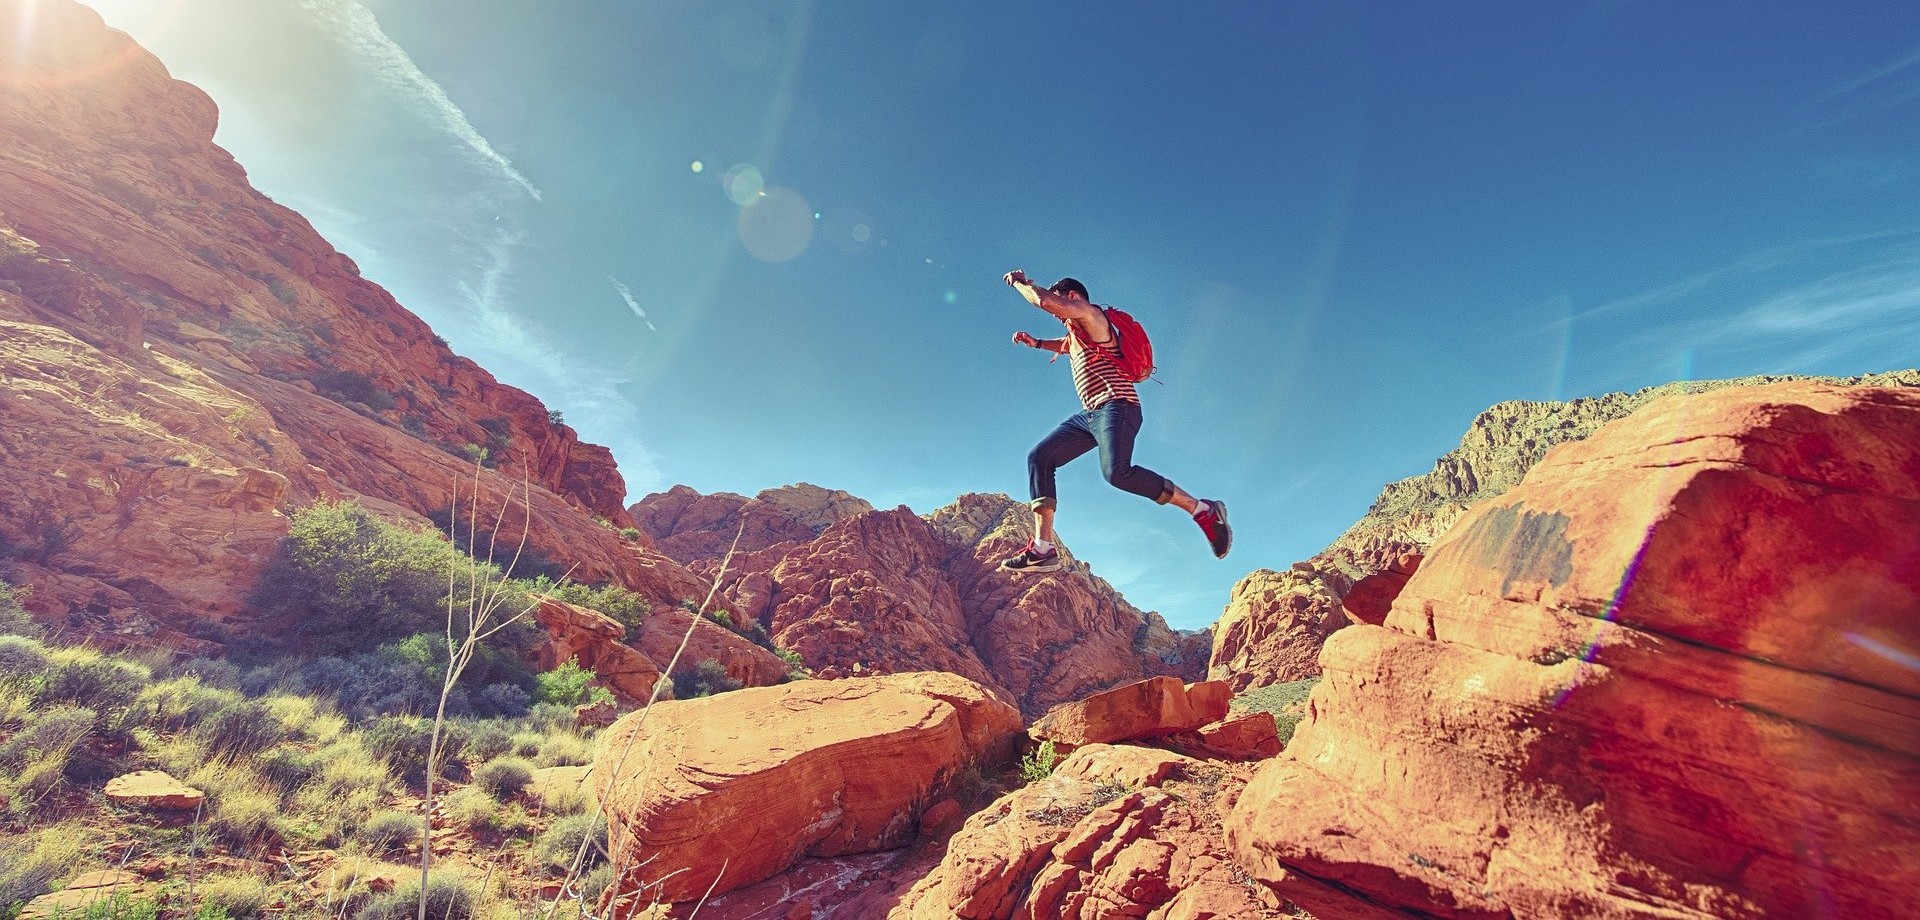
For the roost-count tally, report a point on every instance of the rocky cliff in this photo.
(1669, 675)
(1273, 626)
(183, 362)
(860, 591)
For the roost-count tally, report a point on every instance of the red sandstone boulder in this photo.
(1115, 832)
(1247, 736)
(1668, 675)
(757, 779)
(1143, 709)
(594, 640)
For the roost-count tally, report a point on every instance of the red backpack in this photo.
(1136, 350)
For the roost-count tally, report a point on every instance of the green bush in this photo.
(488, 740)
(387, 831)
(703, 679)
(565, 749)
(14, 619)
(554, 850)
(405, 741)
(85, 677)
(180, 702)
(1039, 764)
(236, 896)
(568, 685)
(22, 660)
(50, 734)
(470, 807)
(449, 897)
(346, 580)
(29, 863)
(503, 778)
(240, 730)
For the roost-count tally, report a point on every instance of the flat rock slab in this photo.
(153, 789)
(1134, 712)
(90, 888)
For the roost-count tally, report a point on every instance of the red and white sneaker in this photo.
(1032, 560)
(1213, 522)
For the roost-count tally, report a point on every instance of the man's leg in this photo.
(1060, 446)
(1115, 426)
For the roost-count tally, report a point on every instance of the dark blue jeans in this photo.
(1112, 428)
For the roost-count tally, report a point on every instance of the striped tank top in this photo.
(1096, 373)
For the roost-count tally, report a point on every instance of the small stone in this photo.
(153, 789)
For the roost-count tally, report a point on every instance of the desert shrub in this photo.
(1286, 701)
(51, 733)
(22, 659)
(245, 728)
(405, 741)
(449, 897)
(303, 716)
(568, 685)
(29, 863)
(796, 665)
(388, 830)
(565, 750)
(288, 768)
(179, 702)
(488, 740)
(243, 808)
(527, 743)
(1039, 764)
(705, 678)
(558, 798)
(501, 700)
(346, 580)
(347, 787)
(503, 778)
(352, 387)
(554, 850)
(213, 672)
(593, 884)
(85, 677)
(471, 807)
(14, 620)
(237, 896)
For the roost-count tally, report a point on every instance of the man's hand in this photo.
(1016, 277)
(1022, 338)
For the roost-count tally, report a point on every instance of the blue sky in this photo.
(1349, 227)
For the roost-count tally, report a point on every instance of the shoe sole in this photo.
(1055, 567)
(1220, 509)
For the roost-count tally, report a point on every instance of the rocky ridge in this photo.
(1275, 623)
(183, 362)
(858, 591)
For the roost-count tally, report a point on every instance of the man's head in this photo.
(1067, 287)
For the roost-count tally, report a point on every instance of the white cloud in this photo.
(354, 25)
(632, 304)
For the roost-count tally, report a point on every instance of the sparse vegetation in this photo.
(14, 619)
(703, 679)
(503, 778)
(1286, 701)
(1038, 764)
(347, 387)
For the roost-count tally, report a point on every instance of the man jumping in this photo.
(1110, 422)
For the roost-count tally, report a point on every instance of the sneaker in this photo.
(1213, 522)
(1030, 560)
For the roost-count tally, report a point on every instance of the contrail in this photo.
(632, 304)
(354, 25)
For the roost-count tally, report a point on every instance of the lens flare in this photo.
(743, 184)
(49, 48)
(1606, 617)
(777, 225)
(698, 166)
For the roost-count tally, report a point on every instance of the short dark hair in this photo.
(1070, 286)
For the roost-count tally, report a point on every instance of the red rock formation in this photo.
(1263, 638)
(1372, 596)
(1134, 712)
(596, 641)
(1249, 736)
(1668, 675)
(883, 591)
(1274, 625)
(662, 630)
(756, 779)
(183, 361)
(1114, 832)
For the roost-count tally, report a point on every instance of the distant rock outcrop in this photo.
(857, 591)
(1274, 625)
(184, 361)
(1669, 675)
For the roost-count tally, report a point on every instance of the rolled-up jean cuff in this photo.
(1043, 503)
(1166, 494)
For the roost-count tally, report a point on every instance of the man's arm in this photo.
(1063, 307)
(1057, 346)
